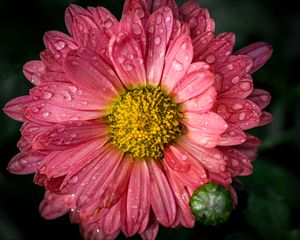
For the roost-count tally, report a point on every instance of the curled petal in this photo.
(260, 52)
(33, 71)
(56, 205)
(265, 118)
(23, 163)
(14, 108)
(260, 97)
(151, 231)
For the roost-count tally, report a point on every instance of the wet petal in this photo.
(162, 199)
(249, 147)
(156, 4)
(140, 8)
(23, 163)
(33, 71)
(260, 97)
(265, 118)
(204, 128)
(158, 29)
(194, 82)
(241, 112)
(260, 52)
(55, 205)
(14, 108)
(232, 136)
(127, 58)
(241, 89)
(177, 62)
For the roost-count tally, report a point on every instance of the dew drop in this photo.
(35, 110)
(242, 116)
(210, 58)
(35, 80)
(59, 45)
(73, 135)
(178, 66)
(232, 133)
(157, 40)
(184, 46)
(134, 206)
(234, 162)
(80, 27)
(140, 61)
(193, 22)
(168, 18)
(237, 106)
(74, 180)
(235, 79)
(23, 161)
(140, 12)
(107, 23)
(151, 29)
(230, 66)
(245, 86)
(47, 95)
(66, 95)
(46, 114)
(136, 29)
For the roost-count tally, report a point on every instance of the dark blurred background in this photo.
(269, 200)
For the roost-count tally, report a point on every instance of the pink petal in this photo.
(59, 44)
(182, 196)
(158, 30)
(139, 7)
(249, 147)
(210, 158)
(202, 42)
(241, 112)
(71, 11)
(198, 18)
(260, 97)
(177, 62)
(31, 130)
(88, 70)
(223, 178)
(127, 58)
(55, 205)
(265, 118)
(201, 103)
(232, 136)
(44, 112)
(204, 128)
(67, 95)
(118, 183)
(51, 63)
(238, 163)
(194, 83)
(138, 197)
(151, 231)
(23, 163)
(186, 168)
(241, 89)
(33, 71)
(15, 107)
(69, 135)
(217, 51)
(260, 52)
(230, 73)
(98, 177)
(162, 199)
(105, 20)
(59, 163)
(166, 3)
(112, 220)
(132, 24)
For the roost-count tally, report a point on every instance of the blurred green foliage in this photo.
(269, 199)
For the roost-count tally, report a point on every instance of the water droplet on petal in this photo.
(128, 67)
(134, 206)
(158, 19)
(66, 95)
(192, 22)
(237, 106)
(151, 29)
(210, 58)
(235, 79)
(230, 66)
(59, 45)
(136, 29)
(140, 12)
(168, 18)
(73, 89)
(184, 46)
(121, 59)
(245, 86)
(35, 80)
(60, 128)
(242, 116)
(47, 95)
(157, 40)
(108, 23)
(46, 114)
(178, 66)
(73, 180)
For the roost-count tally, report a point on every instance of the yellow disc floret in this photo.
(142, 121)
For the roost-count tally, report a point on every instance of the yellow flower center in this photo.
(142, 121)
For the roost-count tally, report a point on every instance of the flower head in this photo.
(128, 118)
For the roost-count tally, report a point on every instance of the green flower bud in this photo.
(211, 204)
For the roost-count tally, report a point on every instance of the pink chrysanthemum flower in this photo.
(127, 118)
